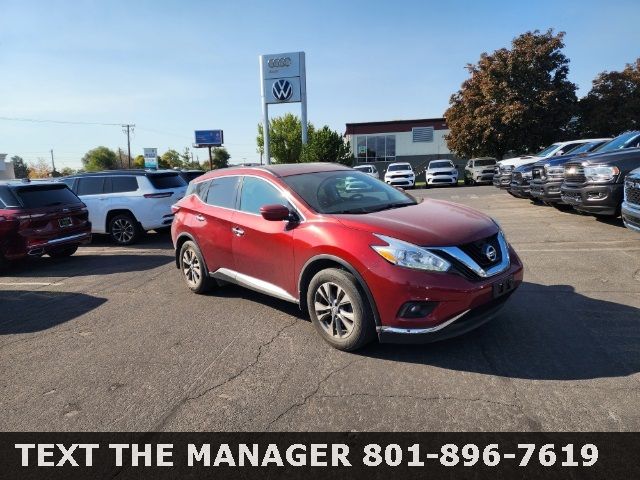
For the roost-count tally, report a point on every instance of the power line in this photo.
(63, 122)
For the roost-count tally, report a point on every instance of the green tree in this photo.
(613, 104)
(66, 171)
(170, 159)
(285, 138)
(100, 158)
(515, 99)
(20, 168)
(326, 145)
(138, 162)
(220, 158)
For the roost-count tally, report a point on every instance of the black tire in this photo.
(193, 269)
(347, 328)
(472, 182)
(63, 252)
(466, 181)
(124, 229)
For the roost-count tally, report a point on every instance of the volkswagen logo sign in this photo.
(282, 90)
(490, 252)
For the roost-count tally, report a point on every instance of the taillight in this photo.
(158, 195)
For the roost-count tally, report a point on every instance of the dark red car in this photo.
(38, 218)
(360, 255)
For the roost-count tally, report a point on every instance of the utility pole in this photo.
(127, 128)
(210, 160)
(120, 155)
(53, 164)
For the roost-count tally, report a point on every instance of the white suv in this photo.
(400, 175)
(126, 203)
(370, 170)
(441, 172)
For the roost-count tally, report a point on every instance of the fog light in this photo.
(596, 195)
(416, 309)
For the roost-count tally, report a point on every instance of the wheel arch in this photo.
(322, 262)
(187, 237)
(113, 213)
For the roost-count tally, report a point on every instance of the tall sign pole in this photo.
(282, 80)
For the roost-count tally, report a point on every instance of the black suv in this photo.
(548, 174)
(596, 184)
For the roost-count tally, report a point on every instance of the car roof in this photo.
(278, 170)
(136, 172)
(25, 183)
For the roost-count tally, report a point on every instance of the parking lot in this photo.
(111, 339)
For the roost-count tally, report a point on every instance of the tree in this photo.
(40, 169)
(20, 169)
(170, 159)
(515, 99)
(138, 162)
(100, 158)
(220, 158)
(326, 145)
(66, 171)
(613, 104)
(285, 138)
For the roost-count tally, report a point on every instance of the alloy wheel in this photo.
(191, 267)
(334, 310)
(123, 230)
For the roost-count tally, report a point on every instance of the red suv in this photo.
(38, 218)
(363, 257)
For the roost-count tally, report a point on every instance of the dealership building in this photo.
(413, 141)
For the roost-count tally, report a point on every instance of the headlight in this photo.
(526, 174)
(600, 173)
(407, 255)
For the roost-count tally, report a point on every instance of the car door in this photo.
(211, 223)
(91, 192)
(263, 249)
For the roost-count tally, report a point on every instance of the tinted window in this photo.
(7, 199)
(257, 193)
(626, 140)
(166, 180)
(484, 163)
(90, 186)
(222, 192)
(440, 165)
(188, 176)
(400, 166)
(199, 189)
(46, 196)
(68, 182)
(124, 184)
(567, 148)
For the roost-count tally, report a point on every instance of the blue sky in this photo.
(172, 67)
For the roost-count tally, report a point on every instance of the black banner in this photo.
(319, 455)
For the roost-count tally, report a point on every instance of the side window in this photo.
(257, 193)
(123, 184)
(90, 186)
(567, 148)
(68, 182)
(222, 192)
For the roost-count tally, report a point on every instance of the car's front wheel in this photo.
(339, 311)
(193, 268)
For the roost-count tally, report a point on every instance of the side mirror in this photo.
(274, 213)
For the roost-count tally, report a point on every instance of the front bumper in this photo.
(441, 180)
(547, 192)
(502, 181)
(520, 190)
(596, 199)
(631, 216)
(401, 182)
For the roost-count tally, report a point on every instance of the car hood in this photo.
(444, 169)
(401, 172)
(612, 157)
(432, 223)
(516, 161)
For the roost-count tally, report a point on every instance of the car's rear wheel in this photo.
(63, 252)
(193, 268)
(124, 229)
(339, 311)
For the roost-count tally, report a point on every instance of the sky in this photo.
(172, 67)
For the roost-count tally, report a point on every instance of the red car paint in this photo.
(278, 253)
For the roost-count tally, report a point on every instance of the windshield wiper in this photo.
(390, 206)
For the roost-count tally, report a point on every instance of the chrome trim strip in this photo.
(252, 283)
(470, 263)
(419, 331)
(55, 241)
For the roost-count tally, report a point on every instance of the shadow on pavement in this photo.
(28, 312)
(161, 240)
(235, 291)
(543, 333)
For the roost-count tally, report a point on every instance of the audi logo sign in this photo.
(279, 62)
(282, 90)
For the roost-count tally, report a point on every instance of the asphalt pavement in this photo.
(111, 339)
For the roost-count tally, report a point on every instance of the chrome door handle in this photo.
(200, 218)
(237, 231)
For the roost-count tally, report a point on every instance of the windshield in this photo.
(547, 151)
(346, 192)
(585, 147)
(364, 169)
(621, 141)
(440, 165)
(400, 166)
(484, 163)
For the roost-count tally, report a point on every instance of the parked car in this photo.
(504, 168)
(400, 175)
(370, 170)
(520, 179)
(596, 184)
(548, 174)
(127, 203)
(360, 264)
(479, 170)
(631, 204)
(42, 218)
(189, 175)
(441, 172)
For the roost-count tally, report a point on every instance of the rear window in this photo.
(46, 196)
(166, 180)
(188, 176)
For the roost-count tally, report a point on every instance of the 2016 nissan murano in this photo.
(374, 261)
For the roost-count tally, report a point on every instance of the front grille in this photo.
(632, 192)
(487, 172)
(574, 173)
(441, 173)
(477, 251)
(516, 178)
(400, 176)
